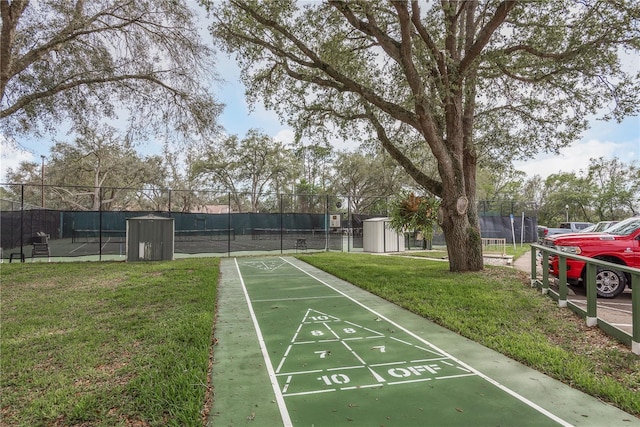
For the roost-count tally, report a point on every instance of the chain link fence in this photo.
(91, 223)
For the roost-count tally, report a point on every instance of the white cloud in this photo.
(285, 136)
(574, 158)
(11, 156)
(603, 139)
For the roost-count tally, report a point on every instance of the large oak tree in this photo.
(464, 80)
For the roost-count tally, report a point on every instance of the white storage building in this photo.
(378, 236)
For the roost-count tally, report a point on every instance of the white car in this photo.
(599, 227)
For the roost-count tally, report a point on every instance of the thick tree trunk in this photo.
(458, 215)
(11, 13)
(474, 240)
(463, 241)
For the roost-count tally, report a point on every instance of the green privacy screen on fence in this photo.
(217, 224)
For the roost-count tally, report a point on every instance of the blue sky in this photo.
(608, 140)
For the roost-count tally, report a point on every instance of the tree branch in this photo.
(76, 28)
(441, 69)
(485, 34)
(10, 13)
(433, 186)
(388, 44)
(345, 84)
(27, 99)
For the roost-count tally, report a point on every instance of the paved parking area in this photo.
(615, 311)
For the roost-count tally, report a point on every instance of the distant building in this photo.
(212, 209)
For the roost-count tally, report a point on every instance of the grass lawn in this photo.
(106, 344)
(441, 253)
(497, 308)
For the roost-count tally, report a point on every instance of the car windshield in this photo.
(624, 228)
(602, 226)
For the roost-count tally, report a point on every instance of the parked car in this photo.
(600, 226)
(565, 227)
(619, 244)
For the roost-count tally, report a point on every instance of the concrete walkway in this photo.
(244, 394)
(523, 263)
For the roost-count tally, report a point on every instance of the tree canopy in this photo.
(94, 172)
(250, 165)
(368, 177)
(465, 81)
(80, 61)
(606, 190)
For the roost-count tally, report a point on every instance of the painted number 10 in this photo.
(334, 379)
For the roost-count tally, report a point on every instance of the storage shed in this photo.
(150, 238)
(378, 236)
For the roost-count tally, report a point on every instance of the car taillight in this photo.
(546, 231)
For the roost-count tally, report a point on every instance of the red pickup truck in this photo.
(620, 244)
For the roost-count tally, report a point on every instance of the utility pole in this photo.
(42, 181)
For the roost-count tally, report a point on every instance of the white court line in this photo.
(295, 336)
(304, 393)
(355, 354)
(104, 245)
(286, 420)
(378, 365)
(268, 268)
(286, 384)
(361, 386)
(421, 380)
(437, 359)
(399, 340)
(345, 368)
(476, 372)
(315, 371)
(79, 247)
(432, 379)
(294, 299)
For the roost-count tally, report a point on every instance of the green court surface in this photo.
(298, 347)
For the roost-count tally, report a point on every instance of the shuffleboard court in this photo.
(329, 357)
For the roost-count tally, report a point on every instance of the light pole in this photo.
(566, 208)
(42, 181)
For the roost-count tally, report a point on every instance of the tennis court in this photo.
(112, 244)
(298, 347)
(102, 234)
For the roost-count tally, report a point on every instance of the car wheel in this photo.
(610, 283)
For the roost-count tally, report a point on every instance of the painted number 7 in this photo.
(323, 353)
